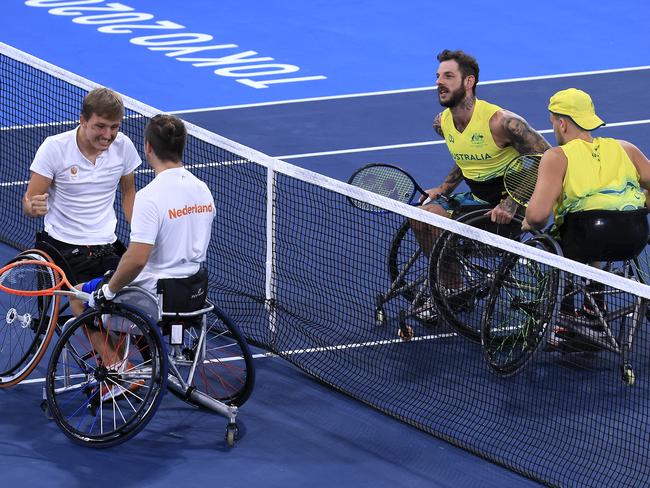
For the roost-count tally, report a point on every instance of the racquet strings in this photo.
(520, 177)
(29, 278)
(385, 180)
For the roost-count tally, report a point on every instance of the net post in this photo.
(270, 256)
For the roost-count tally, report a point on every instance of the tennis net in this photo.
(337, 289)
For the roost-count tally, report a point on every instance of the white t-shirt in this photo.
(82, 194)
(174, 213)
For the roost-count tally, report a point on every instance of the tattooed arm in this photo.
(509, 129)
(452, 180)
(437, 125)
(454, 177)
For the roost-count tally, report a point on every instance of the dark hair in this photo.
(103, 102)
(167, 136)
(466, 63)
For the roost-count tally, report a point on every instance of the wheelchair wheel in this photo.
(519, 308)
(406, 257)
(218, 363)
(28, 325)
(101, 405)
(461, 272)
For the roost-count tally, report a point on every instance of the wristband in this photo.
(108, 294)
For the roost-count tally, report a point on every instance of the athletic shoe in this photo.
(565, 339)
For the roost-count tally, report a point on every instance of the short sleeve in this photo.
(131, 157)
(145, 223)
(44, 159)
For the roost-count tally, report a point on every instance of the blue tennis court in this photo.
(328, 86)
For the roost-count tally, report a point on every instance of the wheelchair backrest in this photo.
(183, 295)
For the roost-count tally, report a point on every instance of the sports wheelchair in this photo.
(206, 363)
(29, 325)
(531, 307)
(31, 322)
(425, 285)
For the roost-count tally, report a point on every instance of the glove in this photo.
(101, 296)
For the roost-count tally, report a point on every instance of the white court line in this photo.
(411, 90)
(426, 143)
(345, 151)
(188, 166)
(339, 347)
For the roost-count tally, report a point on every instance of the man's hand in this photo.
(101, 296)
(36, 205)
(503, 213)
(432, 194)
(525, 226)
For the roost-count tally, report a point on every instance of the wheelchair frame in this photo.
(416, 280)
(79, 387)
(534, 293)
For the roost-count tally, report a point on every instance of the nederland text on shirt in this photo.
(190, 209)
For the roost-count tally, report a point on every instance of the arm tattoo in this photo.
(509, 205)
(452, 180)
(523, 137)
(437, 125)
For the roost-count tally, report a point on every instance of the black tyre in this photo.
(406, 257)
(101, 405)
(27, 323)
(462, 270)
(221, 367)
(519, 308)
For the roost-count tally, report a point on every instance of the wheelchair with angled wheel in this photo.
(420, 280)
(31, 322)
(28, 326)
(176, 341)
(535, 307)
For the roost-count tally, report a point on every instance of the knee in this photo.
(417, 225)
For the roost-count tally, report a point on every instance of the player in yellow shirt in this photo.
(586, 173)
(593, 187)
(482, 139)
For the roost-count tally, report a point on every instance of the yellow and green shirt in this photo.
(474, 149)
(599, 176)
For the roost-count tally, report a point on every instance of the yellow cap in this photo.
(577, 105)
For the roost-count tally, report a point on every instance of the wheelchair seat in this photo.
(604, 235)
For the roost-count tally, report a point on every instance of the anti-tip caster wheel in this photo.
(628, 375)
(406, 332)
(232, 433)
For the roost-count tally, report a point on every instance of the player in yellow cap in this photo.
(593, 187)
(586, 173)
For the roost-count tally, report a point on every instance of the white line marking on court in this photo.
(411, 90)
(427, 143)
(53, 124)
(339, 347)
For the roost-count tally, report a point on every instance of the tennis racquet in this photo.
(520, 177)
(387, 180)
(32, 277)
